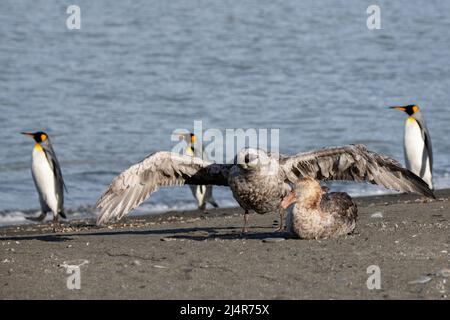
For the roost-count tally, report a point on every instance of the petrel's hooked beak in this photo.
(288, 200)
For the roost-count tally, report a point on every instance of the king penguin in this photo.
(417, 144)
(203, 194)
(47, 177)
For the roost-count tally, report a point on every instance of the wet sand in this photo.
(189, 255)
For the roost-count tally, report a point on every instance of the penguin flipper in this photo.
(62, 214)
(213, 203)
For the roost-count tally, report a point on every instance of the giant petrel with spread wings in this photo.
(258, 180)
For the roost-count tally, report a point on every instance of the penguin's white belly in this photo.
(416, 156)
(44, 179)
(199, 193)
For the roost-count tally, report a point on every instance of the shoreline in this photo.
(190, 255)
(153, 218)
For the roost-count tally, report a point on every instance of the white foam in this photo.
(20, 217)
(13, 217)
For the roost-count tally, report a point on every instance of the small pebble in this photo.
(444, 273)
(377, 215)
(136, 263)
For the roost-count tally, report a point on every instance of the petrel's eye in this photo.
(246, 159)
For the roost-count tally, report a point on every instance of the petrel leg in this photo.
(244, 228)
(281, 213)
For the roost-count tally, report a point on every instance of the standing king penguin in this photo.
(47, 176)
(417, 144)
(202, 193)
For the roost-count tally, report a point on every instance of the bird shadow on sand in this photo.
(40, 237)
(256, 235)
(47, 236)
(191, 233)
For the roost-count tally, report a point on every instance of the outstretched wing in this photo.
(129, 189)
(353, 162)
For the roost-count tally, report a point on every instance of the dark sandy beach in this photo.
(189, 255)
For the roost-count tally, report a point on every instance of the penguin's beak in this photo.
(30, 134)
(398, 108)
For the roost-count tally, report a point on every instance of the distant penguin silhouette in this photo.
(202, 193)
(417, 144)
(47, 176)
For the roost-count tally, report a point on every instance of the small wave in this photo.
(22, 217)
(18, 217)
(179, 206)
(14, 217)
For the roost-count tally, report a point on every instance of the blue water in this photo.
(114, 91)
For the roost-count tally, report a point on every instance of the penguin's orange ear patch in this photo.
(43, 137)
(193, 138)
(415, 109)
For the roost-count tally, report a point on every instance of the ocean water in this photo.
(114, 91)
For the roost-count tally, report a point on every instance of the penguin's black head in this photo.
(409, 109)
(188, 137)
(39, 136)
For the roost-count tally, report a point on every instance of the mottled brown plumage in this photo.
(259, 180)
(317, 214)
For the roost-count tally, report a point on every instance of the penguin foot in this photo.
(56, 226)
